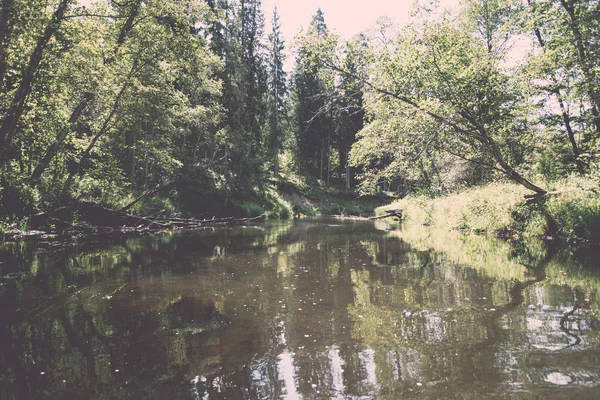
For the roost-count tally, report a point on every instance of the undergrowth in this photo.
(570, 213)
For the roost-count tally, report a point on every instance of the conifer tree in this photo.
(277, 87)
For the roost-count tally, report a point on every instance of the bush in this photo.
(577, 215)
(485, 209)
(278, 206)
(244, 209)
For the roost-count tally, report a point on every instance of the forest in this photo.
(184, 108)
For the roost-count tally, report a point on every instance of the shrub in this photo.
(577, 215)
(244, 209)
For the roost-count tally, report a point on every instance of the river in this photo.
(308, 309)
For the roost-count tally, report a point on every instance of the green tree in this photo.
(350, 106)
(238, 41)
(16, 107)
(277, 87)
(442, 87)
(583, 29)
(315, 98)
(565, 33)
(121, 100)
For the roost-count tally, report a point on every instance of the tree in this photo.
(129, 13)
(277, 87)
(350, 106)
(490, 21)
(547, 66)
(315, 98)
(238, 41)
(16, 107)
(583, 27)
(121, 100)
(443, 87)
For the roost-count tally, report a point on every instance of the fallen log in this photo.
(102, 221)
(390, 213)
(261, 216)
(191, 220)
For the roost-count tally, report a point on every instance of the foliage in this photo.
(571, 213)
(478, 209)
(277, 88)
(577, 215)
(443, 91)
(328, 106)
(121, 101)
(188, 102)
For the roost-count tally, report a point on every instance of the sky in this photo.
(346, 17)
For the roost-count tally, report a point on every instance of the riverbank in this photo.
(570, 214)
(282, 198)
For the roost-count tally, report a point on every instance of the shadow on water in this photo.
(313, 309)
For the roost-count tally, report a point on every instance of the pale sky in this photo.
(347, 17)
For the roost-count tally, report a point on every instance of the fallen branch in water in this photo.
(95, 220)
(390, 213)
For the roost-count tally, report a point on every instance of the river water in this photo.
(309, 309)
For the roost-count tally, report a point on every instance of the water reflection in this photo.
(302, 310)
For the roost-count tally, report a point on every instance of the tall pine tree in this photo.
(277, 87)
(314, 104)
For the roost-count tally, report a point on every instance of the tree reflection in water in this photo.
(298, 310)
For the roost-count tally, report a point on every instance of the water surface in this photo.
(319, 309)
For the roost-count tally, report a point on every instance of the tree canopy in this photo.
(191, 99)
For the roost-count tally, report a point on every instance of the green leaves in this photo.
(125, 94)
(437, 88)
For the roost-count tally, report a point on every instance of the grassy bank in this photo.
(288, 197)
(281, 198)
(571, 214)
(318, 198)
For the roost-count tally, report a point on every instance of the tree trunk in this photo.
(328, 154)
(276, 158)
(348, 169)
(128, 25)
(150, 192)
(9, 124)
(514, 175)
(570, 133)
(321, 166)
(342, 164)
(276, 133)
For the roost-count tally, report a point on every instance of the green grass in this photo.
(572, 214)
(278, 207)
(323, 199)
